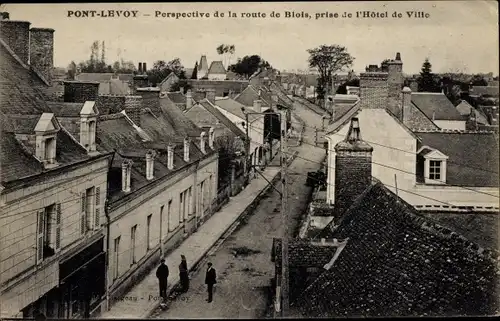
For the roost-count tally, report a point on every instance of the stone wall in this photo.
(16, 35)
(42, 51)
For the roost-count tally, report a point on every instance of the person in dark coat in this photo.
(184, 274)
(210, 280)
(162, 275)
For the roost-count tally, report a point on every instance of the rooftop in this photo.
(435, 106)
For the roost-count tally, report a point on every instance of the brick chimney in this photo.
(139, 70)
(132, 107)
(80, 91)
(210, 95)
(189, 99)
(353, 168)
(257, 106)
(144, 68)
(42, 51)
(395, 83)
(186, 149)
(406, 110)
(16, 34)
(373, 90)
(170, 156)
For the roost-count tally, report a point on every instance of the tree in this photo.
(426, 81)
(225, 145)
(248, 65)
(478, 80)
(195, 71)
(162, 69)
(226, 51)
(329, 60)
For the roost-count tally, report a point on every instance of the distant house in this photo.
(484, 91)
(474, 118)
(430, 166)
(380, 257)
(109, 83)
(202, 71)
(216, 71)
(166, 84)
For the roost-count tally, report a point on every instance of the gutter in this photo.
(108, 235)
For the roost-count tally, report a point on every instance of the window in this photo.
(148, 231)
(87, 218)
(161, 223)
(190, 201)
(202, 198)
(92, 128)
(181, 207)
(132, 244)
(49, 142)
(116, 253)
(48, 231)
(169, 213)
(435, 170)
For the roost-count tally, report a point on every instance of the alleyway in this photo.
(243, 260)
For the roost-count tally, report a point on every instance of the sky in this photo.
(455, 35)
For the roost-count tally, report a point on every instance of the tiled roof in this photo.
(398, 263)
(473, 157)
(484, 90)
(223, 119)
(177, 97)
(216, 67)
(251, 93)
(62, 109)
(435, 106)
(234, 107)
(178, 120)
(203, 65)
(16, 161)
(201, 116)
(464, 108)
(303, 253)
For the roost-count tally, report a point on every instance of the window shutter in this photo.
(97, 223)
(40, 236)
(83, 220)
(58, 226)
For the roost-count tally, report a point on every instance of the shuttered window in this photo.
(97, 219)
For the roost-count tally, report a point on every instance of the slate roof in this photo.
(223, 119)
(464, 108)
(473, 156)
(485, 90)
(435, 106)
(177, 97)
(22, 104)
(251, 93)
(113, 87)
(63, 109)
(234, 107)
(102, 77)
(216, 67)
(398, 263)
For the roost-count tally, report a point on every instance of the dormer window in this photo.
(434, 165)
(88, 125)
(46, 138)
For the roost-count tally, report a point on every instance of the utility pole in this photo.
(284, 216)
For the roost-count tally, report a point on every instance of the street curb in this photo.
(250, 207)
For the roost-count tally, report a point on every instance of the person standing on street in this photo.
(184, 274)
(210, 280)
(162, 275)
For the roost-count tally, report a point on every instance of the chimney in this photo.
(210, 95)
(353, 168)
(140, 69)
(144, 68)
(395, 83)
(150, 156)
(186, 149)
(170, 156)
(373, 90)
(257, 106)
(211, 138)
(126, 171)
(189, 99)
(16, 34)
(202, 142)
(80, 91)
(181, 90)
(42, 51)
(405, 112)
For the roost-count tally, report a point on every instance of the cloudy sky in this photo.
(457, 35)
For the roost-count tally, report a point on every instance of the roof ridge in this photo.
(452, 131)
(111, 116)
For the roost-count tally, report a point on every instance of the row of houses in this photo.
(96, 187)
(404, 173)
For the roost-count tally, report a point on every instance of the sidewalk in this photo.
(195, 247)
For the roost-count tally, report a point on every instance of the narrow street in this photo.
(243, 260)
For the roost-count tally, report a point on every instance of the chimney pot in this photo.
(144, 68)
(170, 156)
(126, 168)
(202, 142)
(186, 149)
(398, 56)
(140, 68)
(257, 106)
